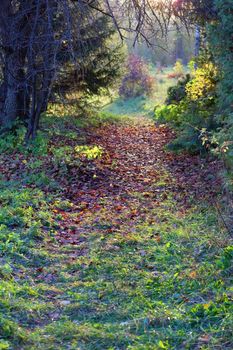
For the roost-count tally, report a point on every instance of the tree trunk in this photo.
(197, 42)
(9, 114)
(14, 98)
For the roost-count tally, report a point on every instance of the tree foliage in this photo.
(38, 39)
(191, 107)
(221, 33)
(98, 67)
(137, 81)
(194, 11)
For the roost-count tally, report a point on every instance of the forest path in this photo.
(135, 175)
(136, 249)
(131, 256)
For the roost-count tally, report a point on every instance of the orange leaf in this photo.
(193, 274)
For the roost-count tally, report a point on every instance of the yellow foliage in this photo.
(204, 82)
(62, 110)
(178, 68)
(90, 152)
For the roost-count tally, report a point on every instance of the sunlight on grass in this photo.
(143, 105)
(145, 276)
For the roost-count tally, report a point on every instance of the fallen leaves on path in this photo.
(135, 175)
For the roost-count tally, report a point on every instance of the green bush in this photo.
(169, 114)
(178, 92)
(191, 108)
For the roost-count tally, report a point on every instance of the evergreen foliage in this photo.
(50, 36)
(221, 34)
(176, 93)
(98, 67)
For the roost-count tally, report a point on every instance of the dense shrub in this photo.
(191, 107)
(137, 81)
(203, 86)
(176, 93)
(169, 114)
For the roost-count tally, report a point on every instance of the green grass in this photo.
(142, 105)
(114, 107)
(162, 283)
(94, 119)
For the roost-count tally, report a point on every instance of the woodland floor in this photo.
(130, 253)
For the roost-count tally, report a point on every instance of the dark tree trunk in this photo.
(39, 104)
(15, 99)
(12, 92)
(9, 113)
